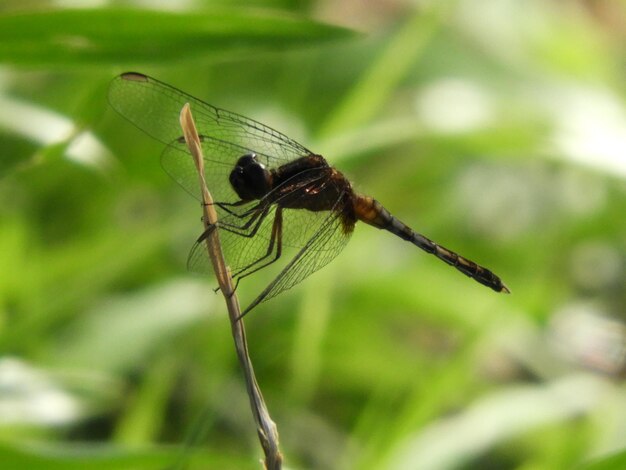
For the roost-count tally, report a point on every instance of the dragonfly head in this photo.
(250, 179)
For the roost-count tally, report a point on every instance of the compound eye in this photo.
(246, 160)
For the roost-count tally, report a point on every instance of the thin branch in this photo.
(266, 428)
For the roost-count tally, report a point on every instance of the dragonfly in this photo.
(270, 192)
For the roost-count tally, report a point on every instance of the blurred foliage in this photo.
(496, 128)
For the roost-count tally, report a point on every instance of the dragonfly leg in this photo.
(275, 235)
(257, 218)
(225, 207)
(255, 222)
(260, 215)
(276, 240)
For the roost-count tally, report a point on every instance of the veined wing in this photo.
(219, 160)
(327, 242)
(154, 107)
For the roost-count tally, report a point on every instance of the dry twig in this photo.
(266, 428)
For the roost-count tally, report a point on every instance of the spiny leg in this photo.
(276, 239)
(258, 217)
(225, 207)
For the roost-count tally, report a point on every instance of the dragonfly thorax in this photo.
(250, 179)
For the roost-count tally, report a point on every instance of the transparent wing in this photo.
(219, 160)
(154, 107)
(326, 243)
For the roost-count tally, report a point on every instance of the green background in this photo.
(497, 129)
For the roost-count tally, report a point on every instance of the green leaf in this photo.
(123, 36)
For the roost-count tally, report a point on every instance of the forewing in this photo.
(219, 158)
(154, 107)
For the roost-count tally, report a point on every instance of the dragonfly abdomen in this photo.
(372, 212)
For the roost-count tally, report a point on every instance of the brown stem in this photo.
(266, 428)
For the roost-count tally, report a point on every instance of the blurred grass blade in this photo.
(48, 128)
(387, 71)
(75, 37)
(94, 457)
(616, 461)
